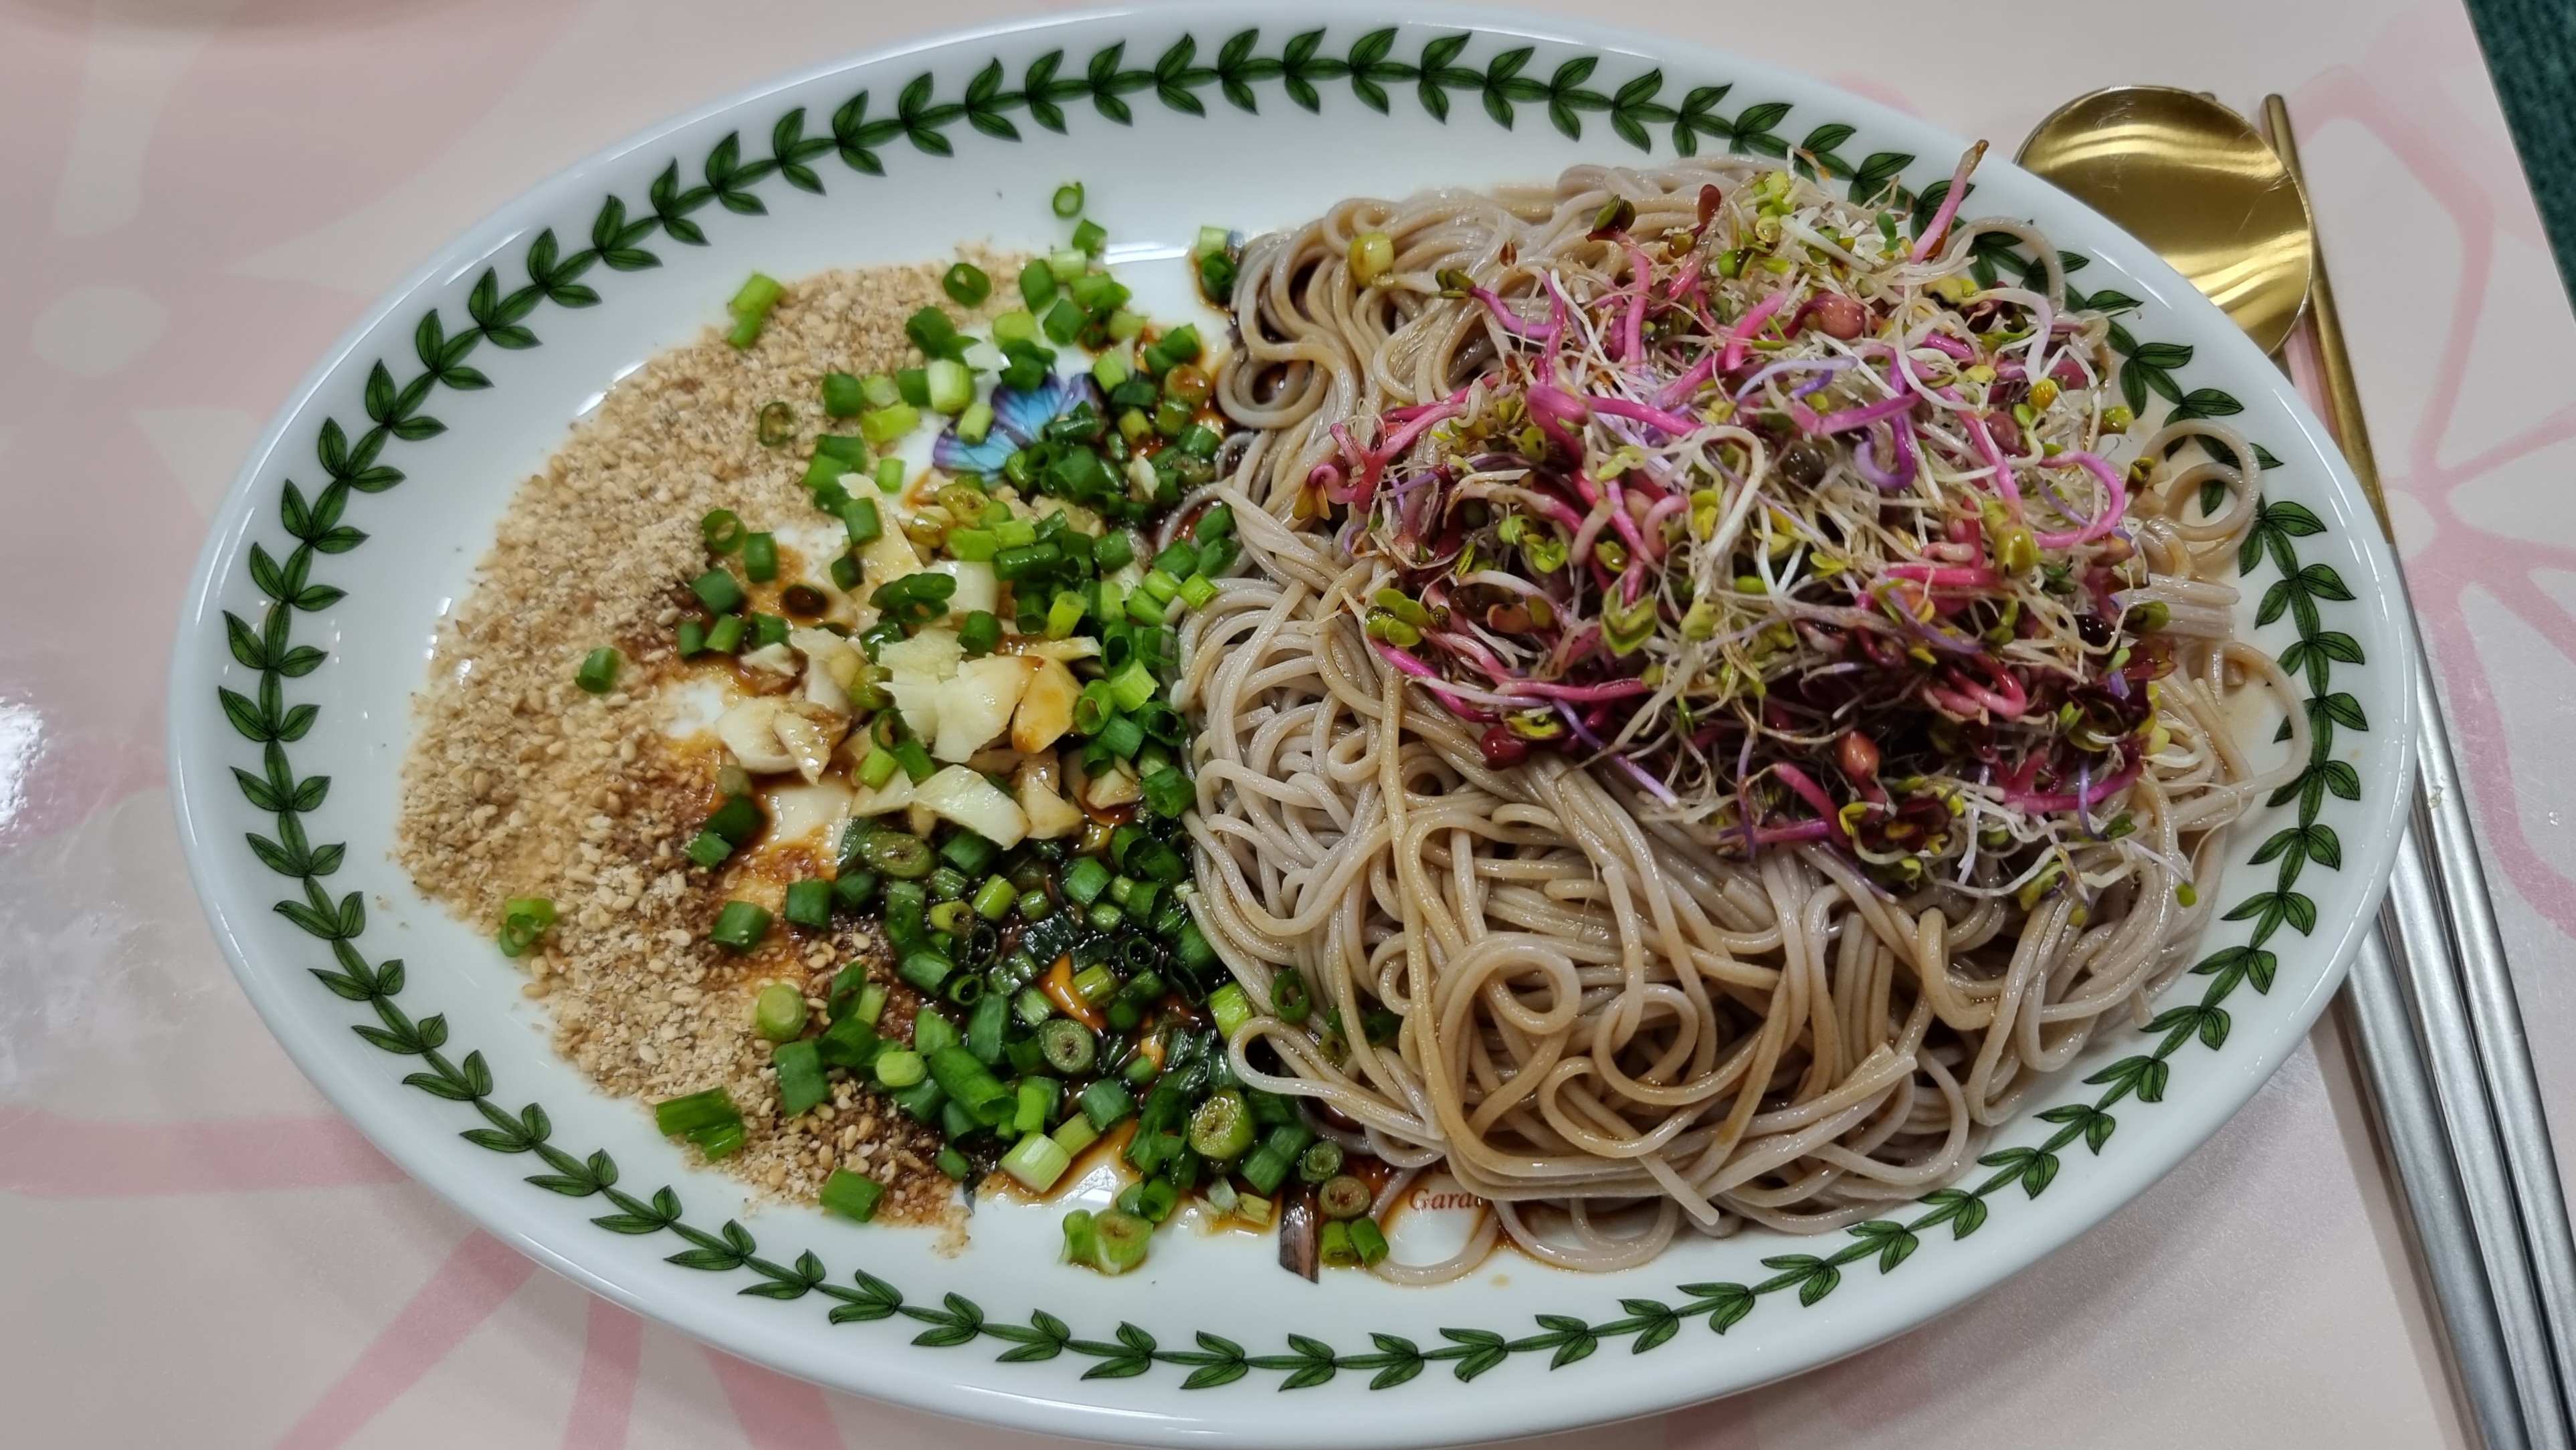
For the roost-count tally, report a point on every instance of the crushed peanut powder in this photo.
(522, 784)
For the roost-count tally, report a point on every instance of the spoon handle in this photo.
(2433, 1009)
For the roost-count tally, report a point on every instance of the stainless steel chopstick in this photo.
(2517, 1193)
(2380, 1020)
(2433, 1008)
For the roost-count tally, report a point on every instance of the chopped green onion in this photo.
(993, 900)
(598, 672)
(1107, 1103)
(975, 546)
(954, 1164)
(1114, 552)
(842, 397)
(932, 332)
(692, 639)
(851, 1195)
(862, 521)
(878, 768)
(1027, 561)
(1121, 736)
(1037, 1161)
(1158, 1199)
(845, 574)
(722, 529)
(725, 635)
(1221, 1129)
(969, 852)
(1063, 322)
(524, 919)
(1034, 906)
(760, 557)
(1333, 1245)
(1197, 590)
(740, 926)
(1168, 793)
(1132, 686)
(696, 1112)
(799, 1066)
(976, 423)
(1181, 344)
(1020, 324)
(1109, 370)
(925, 969)
(951, 386)
(1068, 200)
(1126, 326)
(1081, 1239)
(750, 308)
(1321, 1162)
(1075, 1133)
(900, 1069)
(1369, 1243)
(1063, 614)
(885, 425)
(1231, 1008)
(1196, 954)
(1121, 1239)
(984, 1028)
(778, 1013)
(1095, 984)
(1085, 879)
(969, 1083)
(1179, 561)
(708, 849)
(1068, 264)
(1090, 237)
(758, 294)
(717, 590)
(931, 1032)
(854, 889)
(1097, 293)
(915, 756)
(979, 634)
(809, 904)
(737, 816)
(1038, 1096)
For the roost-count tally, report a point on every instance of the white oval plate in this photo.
(302, 645)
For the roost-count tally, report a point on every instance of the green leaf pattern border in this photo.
(1507, 92)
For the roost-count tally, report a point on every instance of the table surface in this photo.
(199, 195)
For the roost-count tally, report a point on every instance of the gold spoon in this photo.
(2201, 187)
(2195, 182)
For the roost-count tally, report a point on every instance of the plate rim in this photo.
(387, 1118)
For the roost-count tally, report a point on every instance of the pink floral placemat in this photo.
(197, 196)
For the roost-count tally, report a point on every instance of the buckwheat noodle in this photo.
(1616, 1020)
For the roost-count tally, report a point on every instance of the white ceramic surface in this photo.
(1154, 180)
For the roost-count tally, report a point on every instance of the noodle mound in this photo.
(1612, 1013)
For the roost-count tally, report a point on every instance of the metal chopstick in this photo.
(2433, 1007)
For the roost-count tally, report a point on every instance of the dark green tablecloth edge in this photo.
(2531, 52)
